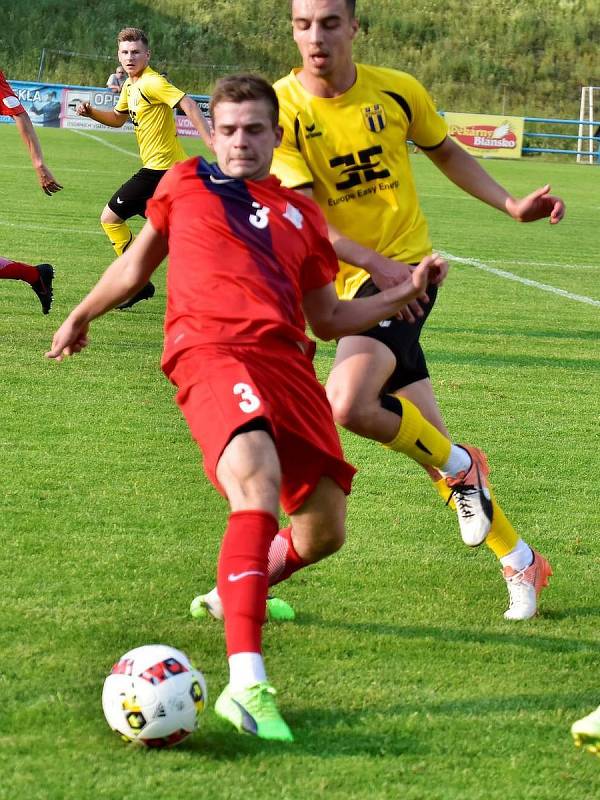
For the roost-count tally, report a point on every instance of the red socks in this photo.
(243, 578)
(17, 271)
(283, 559)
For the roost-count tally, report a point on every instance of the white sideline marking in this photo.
(106, 144)
(545, 287)
(552, 264)
(30, 227)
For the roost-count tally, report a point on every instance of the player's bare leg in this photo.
(362, 366)
(121, 236)
(317, 531)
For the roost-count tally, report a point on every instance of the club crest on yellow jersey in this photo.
(374, 117)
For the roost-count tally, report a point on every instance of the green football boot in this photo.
(209, 605)
(254, 711)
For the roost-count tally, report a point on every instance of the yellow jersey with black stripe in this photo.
(352, 151)
(150, 101)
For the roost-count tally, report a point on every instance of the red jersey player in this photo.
(248, 260)
(38, 277)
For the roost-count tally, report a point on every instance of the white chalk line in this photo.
(545, 264)
(502, 273)
(25, 226)
(106, 144)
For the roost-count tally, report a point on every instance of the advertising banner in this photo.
(487, 135)
(105, 100)
(53, 106)
(41, 101)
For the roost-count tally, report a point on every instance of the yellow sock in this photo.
(502, 537)
(119, 234)
(417, 437)
(444, 492)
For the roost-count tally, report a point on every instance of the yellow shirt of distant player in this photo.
(352, 150)
(150, 102)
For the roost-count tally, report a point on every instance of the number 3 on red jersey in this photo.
(250, 402)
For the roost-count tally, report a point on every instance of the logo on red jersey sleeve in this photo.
(294, 215)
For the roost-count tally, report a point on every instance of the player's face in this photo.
(133, 57)
(324, 31)
(244, 138)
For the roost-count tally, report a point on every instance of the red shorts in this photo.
(223, 388)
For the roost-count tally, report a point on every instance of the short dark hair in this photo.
(350, 5)
(132, 35)
(245, 86)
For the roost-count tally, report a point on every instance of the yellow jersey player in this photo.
(148, 100)
(346, 128)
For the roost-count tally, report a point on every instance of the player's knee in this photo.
(327, 541)
(349, 412)
(108, 217)
(259, 490)
(335, 539)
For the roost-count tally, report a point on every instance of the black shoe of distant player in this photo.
(145, 293)
(43, 286)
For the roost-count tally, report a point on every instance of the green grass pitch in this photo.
(400, 677)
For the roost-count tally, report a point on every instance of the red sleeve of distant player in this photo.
(158, 208)
(9, 103)
(321, 267)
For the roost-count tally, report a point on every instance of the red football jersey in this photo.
(9, 102)
(242, 254)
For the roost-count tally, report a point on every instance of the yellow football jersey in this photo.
(352, 150)
(150, 102)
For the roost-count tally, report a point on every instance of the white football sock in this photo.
(520, 557)
(245, 670)
(458, 461)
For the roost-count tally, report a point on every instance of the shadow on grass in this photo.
(504, 360)
(518, 333)
(318, 733)
(524, 638)
(333, 732)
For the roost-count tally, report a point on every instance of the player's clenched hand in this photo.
(47, 180)
(387, 273)
(435, 267)
(413, 291)
(432, 269)
(69, 339)
(537, 205)
(84, 110)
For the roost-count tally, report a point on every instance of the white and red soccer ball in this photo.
(154, 696)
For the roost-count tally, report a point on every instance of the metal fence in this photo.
(554, 139)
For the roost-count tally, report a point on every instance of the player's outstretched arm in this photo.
(193, 113)
(27, 132)
(113, 119)
(124, 278)
(466, 172)
(331, 318)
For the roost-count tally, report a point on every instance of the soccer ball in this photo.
(154, 696)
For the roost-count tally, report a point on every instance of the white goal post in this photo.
(587, 145)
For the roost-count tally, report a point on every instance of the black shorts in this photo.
(131, 198)
(402, 338)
